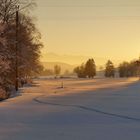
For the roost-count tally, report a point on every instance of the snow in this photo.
(99, 109)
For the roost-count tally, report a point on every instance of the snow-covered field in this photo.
(99, 109)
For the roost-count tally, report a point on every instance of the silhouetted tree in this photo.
(80, 71)
(109, 70)
(129, 69)
(138, 67)
(57, 70)
(124, 69)
(90, 68)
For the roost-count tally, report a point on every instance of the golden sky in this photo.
(108, 29)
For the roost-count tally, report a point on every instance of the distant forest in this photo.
(89, 70)
(125, 69)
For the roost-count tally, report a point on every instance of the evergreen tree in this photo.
(109, 70)
(90, 68)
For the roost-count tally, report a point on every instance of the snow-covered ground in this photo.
(99, 109)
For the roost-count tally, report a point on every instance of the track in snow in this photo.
(87, 109)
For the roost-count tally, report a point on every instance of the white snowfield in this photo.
(99, 109)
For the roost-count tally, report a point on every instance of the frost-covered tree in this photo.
(28, 51)
(4, 66)
(8, 8)
(29, 44)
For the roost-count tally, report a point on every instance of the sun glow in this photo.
(90, 28)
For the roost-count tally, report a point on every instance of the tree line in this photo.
(28, 39)
(125, 69)
(129, 69)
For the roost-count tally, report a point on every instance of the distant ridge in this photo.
(76, 59)
(64, 66)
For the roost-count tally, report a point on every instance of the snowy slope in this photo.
(100, 109)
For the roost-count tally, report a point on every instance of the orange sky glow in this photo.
(105, 29)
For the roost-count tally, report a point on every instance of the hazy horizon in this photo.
(79, 59)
